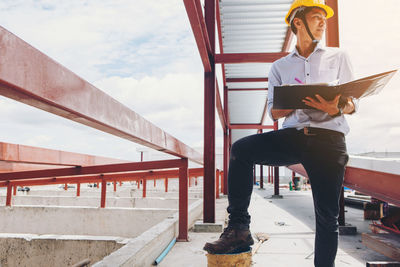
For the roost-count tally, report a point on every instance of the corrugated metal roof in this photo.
(250, 26)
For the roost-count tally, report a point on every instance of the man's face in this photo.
(316, 19)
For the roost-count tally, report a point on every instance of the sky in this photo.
(143, 54)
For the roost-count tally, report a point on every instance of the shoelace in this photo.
(227, 232)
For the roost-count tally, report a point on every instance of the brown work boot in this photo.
(230, 241)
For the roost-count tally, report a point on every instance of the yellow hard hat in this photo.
(309, 3)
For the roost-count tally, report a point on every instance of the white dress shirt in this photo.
(324, 65)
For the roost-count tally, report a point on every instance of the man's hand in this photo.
(330, 107)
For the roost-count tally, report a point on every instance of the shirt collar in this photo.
(319, 46)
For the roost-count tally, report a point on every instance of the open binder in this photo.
(291, 96)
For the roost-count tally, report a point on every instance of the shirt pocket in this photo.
(328, 75)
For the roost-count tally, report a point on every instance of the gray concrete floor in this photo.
(290, 224)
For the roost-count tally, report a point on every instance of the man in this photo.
(313, 137)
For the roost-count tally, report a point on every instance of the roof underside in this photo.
(250, 26)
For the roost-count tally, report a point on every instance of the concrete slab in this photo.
(94, 201)
(54, 250)
(144, 249)
(123, 222)
(290, 224)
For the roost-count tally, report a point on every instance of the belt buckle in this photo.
(307, 131)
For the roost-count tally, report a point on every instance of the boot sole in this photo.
(236, 249)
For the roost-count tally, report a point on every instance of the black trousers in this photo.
(323, 155)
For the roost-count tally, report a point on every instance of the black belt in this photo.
(319, 131)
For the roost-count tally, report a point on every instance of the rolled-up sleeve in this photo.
(273, 80)
(346, 74)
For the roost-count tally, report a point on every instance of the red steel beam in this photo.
(199, 32)
(30, 77)
(36, 155)
(245, 80)
(247, 89)
(380, 185)
(221, 46)
(220, 109)
(199, 10)
(226, 142)
(194, 172)
(99, 169)
(248, 57)
(250, 126)
(13, 166)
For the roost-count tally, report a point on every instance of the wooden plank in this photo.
(386, 244)
(383, 264)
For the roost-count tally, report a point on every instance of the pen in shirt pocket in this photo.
(298, 80)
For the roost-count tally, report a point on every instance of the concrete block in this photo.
(201, 227)
(347, 230)
(54, 250)
(123, 222)
(144, 249)
(276, 197)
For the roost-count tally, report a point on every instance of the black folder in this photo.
(291, 96)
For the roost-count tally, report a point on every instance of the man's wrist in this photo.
(338, 113)
(334, 111)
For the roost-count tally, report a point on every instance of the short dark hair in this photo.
(298, 14)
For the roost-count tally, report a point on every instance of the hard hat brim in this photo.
(329, 11)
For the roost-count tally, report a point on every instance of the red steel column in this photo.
(217, 174)
(14, 190)
(332, 39)
(183, 202)
(115, 186)
(78, 189)
(269, 174)
(209, 121)
(222, 182)
(9, 194)
(155, 182)
(226, 142)
(166, 184)
(66, 187)
(103, 193)
(332, 29)
(144, 187)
